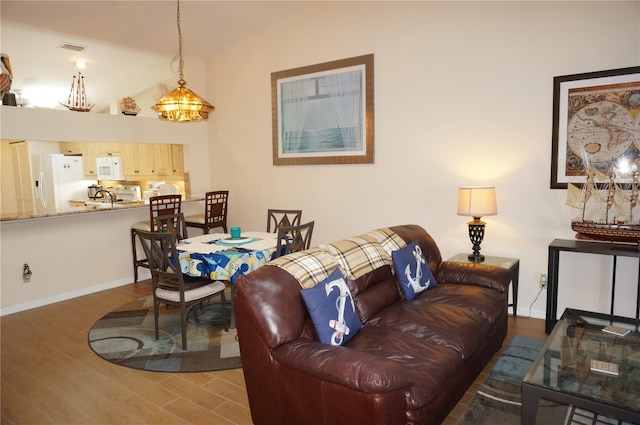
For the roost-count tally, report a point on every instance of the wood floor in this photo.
(49, 375)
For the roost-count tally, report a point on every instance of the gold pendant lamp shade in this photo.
(181, 104)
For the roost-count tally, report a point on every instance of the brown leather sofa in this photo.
(410, 363)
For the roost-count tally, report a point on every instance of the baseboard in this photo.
(68, 295)
(529, 313)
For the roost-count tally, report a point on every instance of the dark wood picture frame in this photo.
(324, 113)
(601, 86)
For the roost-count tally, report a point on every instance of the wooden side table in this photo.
(512, 264)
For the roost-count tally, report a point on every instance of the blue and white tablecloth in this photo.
(218, 257)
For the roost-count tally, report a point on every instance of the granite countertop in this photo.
(93, 207)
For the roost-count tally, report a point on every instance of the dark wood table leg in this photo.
(552, 289)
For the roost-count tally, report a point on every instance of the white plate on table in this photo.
(235, 241)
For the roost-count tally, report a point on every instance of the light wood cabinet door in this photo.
(162, 160)
(177, 157)
(90, 151)
(22, 178)
(71, 148)
(138, 159)
(146, 160)
(110, 149)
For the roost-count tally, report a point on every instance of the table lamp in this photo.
(477, 201)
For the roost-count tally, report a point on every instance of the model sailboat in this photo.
(129, 107)
(77, 100)
(606, 205)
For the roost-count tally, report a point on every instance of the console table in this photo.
(513, 264)
(586, 247)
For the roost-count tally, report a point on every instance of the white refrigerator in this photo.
(57, 179)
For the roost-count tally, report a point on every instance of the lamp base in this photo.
(476, 234)
(476, 258)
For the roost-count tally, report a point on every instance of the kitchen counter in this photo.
(93, 207)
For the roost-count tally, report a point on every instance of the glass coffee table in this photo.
(584, 366)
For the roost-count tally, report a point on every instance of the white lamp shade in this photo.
(477, 201)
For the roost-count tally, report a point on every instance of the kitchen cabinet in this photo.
(71, 148)
(23, 191)
(162, 160)
(139, 161)
(110, 149)
(177, 158)
(90, 151)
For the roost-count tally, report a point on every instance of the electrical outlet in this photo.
(26, 273)
(543, 280)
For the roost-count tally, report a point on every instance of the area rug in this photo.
(126, 336)
(498, 400)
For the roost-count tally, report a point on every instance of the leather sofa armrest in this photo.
(353, 369)
(478, 274)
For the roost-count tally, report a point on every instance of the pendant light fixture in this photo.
(181, 104)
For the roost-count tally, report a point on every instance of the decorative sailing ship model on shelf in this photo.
(129, 107)
(607, 205)
(77, 100)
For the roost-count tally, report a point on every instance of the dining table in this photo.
(218, 256)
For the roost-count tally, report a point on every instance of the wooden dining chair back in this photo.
(172, 223)
(171, 287)
(158, 205)
(215, 212)
(282, 218)
(294, 239)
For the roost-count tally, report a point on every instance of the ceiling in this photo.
(129, 45)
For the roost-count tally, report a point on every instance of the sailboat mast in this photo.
(77, 102)
(73, 83)
(610, 192)
(83, 94)
(634, 195)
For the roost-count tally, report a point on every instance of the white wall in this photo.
(463, 95)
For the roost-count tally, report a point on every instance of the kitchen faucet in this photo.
(111, 195)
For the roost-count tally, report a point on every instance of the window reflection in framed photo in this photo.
(323, 114)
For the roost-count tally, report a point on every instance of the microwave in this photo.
(110, 168)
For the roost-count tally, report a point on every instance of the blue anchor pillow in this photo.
(412, 270)
(332, 310)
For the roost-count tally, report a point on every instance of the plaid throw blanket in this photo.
(359, 255)
(356, 256)
(309, 267)
(389, 240)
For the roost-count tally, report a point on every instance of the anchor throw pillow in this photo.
(412, 270)
(332, 310)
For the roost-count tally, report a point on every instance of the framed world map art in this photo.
(596, 121)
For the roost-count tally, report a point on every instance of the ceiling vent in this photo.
(72, 47)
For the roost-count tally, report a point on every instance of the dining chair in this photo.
(158, 205)
(215, 212)
(172, 223)
(171, 287)
(294, 238)
(282, 218)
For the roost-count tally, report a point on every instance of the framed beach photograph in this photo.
(596, 122)
(323, 114)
